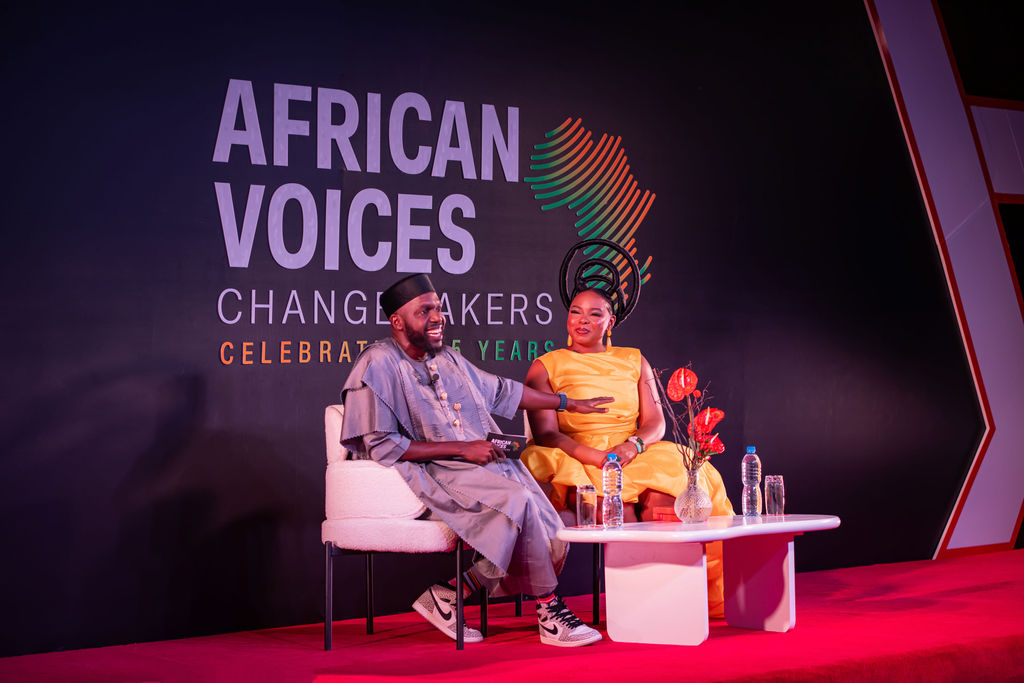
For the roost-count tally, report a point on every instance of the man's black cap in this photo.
(404, 291)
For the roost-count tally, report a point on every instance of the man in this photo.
(413, 404)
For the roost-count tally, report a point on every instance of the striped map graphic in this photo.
(594, 181)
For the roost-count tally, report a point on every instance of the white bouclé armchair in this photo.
(370, 509)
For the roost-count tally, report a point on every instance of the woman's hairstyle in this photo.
(601, 293)
(604, 267)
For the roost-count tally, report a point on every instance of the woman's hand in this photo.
(587, 455)
(626, 451)
(593, 456)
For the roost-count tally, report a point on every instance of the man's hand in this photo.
(588, 405)
(479, 452)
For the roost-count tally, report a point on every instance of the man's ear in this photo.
(397, 322)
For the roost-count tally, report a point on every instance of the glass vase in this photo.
(693, 505)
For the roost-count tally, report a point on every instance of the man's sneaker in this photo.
(437, 605)
(559, 626)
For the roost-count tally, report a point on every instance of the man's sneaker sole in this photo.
(470, 635)
(549, 639)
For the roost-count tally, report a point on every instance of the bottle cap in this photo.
(613, 457)
(751, 449)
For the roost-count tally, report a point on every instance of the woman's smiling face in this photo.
(590, 317)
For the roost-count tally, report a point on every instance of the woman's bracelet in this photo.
(563, 402)
(638, 442)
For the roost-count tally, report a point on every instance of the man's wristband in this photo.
(638, 442)
(563, 402)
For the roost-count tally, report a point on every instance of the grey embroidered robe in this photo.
(391, 400)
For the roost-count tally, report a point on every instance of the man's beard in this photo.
(420, 341)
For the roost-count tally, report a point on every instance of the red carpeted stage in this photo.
(954, 619)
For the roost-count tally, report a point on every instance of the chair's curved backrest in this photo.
(333, 417)
(526, 427)
(362, 489)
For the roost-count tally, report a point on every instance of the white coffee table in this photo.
(656, 574)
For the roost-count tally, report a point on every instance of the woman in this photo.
(569, 450)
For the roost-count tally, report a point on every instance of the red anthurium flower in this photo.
(682, 383)
(710, 444)
(707, 419)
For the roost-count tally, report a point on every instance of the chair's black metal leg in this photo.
(460, 617)
(369, 593)
(597, 584)
(328, 595)
(483, 611)
(519, 604)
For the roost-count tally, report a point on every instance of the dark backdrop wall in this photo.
(165, 377)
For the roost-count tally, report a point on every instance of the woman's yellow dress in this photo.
(616, 373)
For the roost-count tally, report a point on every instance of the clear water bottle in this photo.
(612, 484)
(751, 472)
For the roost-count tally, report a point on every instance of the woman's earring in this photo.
(609, 343)
(569, 342)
